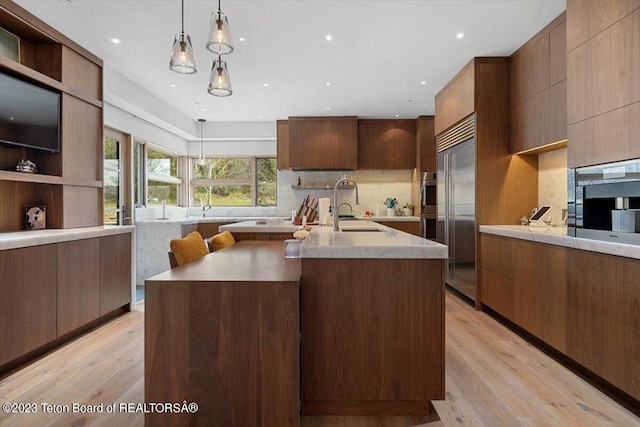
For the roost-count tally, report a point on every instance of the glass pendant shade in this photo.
(183, 60)
(219, 40)
(219, 81)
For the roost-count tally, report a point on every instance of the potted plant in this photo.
(407, 209)
(391, 205)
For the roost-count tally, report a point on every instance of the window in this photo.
(162, 178)
(156, 176)
(234, 182)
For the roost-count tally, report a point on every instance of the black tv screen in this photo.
(29, 115)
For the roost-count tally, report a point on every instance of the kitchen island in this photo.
(223, 331)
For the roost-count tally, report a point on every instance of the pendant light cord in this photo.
(218, 5)
(182, 16)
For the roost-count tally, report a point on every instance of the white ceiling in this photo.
(379, 54)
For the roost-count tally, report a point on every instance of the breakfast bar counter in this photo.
(252, 336)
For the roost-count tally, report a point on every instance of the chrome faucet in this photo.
(345, 203)
(336, 227)
(204, 210)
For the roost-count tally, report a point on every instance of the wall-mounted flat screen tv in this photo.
(29, 115)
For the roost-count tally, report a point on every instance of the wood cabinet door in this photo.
(375, 144)
(27, 300)
(404, 144)
(540, 291)
(282, 136)
(78, 274)
(530, 123)
(463, 94)
(115, 272)
(529, 72)
(443, 109)
(323, 142)
(426, 144)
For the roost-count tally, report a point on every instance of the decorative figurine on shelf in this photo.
(36, 217)
(299, 181)
(26, 166)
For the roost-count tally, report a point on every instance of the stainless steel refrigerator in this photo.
(456, 222)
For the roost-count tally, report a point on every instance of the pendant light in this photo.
(202, 161)
(183, 60)
(219, 40)
(219, 81)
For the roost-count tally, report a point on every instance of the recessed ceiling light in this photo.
(172, 85)
(328, 37)
(423, 82)
(328, 108)
(204, 109)
(265, 84)
(397, 115)
(328, 83)
(242, 39)
(460, 35)
(10, 118)
(259, 117)
(115, 41)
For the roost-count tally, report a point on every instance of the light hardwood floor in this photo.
(493, 378)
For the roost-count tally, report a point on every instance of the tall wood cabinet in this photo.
(71, 178)
(426, 153)
(386, 144)
(538, 89)
(603, 68)
(505, 185)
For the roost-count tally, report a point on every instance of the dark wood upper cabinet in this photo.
(282, 137)
(456, 100)
(426, 152)
(538, 95)
(323, 142)
(404, 147)
(386, 144)
(603, 94)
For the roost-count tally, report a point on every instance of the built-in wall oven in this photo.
(604, 202)
(428, 204)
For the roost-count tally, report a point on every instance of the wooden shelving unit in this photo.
(69, 182)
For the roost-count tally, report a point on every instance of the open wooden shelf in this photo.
(46, 179)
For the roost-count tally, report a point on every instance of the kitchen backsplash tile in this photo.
(374, 187)
(552, 182)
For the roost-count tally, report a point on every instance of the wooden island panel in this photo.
(372, 336)
(223, 332)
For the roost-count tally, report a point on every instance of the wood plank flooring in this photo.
(493, 378)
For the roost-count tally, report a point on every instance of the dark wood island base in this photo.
(225, 332)
(372, 336)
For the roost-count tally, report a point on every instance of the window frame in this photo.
(145, 176)
(252, 181)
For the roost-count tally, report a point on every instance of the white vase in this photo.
(391, 212)
(407, 211)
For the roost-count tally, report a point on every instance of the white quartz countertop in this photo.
(21, 239)
(558, 236)
(199, 219)
(385, 242)
(392, 218)
(261, 226)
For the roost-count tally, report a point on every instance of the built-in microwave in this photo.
(599, 196)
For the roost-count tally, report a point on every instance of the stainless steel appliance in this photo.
(456, 206)
(600, 197)
(428, 208)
